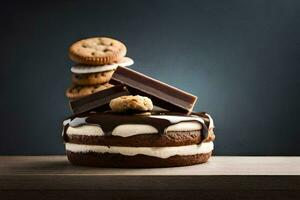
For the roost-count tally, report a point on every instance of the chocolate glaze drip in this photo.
(203, 116)
(108, 121)
(64, 135)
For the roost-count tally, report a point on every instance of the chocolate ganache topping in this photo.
(108, 121)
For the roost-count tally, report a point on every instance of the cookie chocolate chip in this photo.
(97, 51)
(81, 91)
(131, 103)
(92, 78)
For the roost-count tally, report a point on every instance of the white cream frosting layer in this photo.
(160, 152)
(84, 69)
(126, 130)
(182, 123)
(86, 130)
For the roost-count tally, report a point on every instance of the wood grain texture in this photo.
(151, 195)
(217, 165)
(253, 177)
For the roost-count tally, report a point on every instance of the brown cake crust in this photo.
(178, 138)
(138, 161)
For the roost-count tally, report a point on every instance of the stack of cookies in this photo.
(96, 59)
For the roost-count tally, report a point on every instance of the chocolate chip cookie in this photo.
(132, 103)
(81, 91)
(97, 51)
(92, 78)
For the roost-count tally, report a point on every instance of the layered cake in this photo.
(154, 140)
(137, 121)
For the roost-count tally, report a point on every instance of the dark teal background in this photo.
(241, 58)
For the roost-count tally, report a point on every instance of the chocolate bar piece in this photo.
(99, 100)
(162, 95)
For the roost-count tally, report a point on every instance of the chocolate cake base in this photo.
(138, 161)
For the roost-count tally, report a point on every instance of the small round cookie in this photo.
(97, 51)
(81, 91)
(92, 79)
(131, 103)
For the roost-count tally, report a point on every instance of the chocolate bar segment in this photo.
(99, 100)
(162, 95)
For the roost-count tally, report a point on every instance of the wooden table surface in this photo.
(52, 177)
